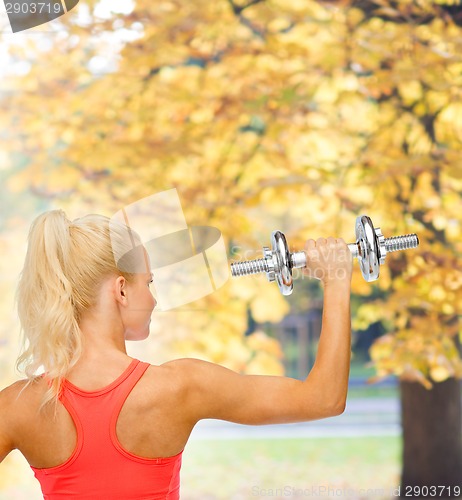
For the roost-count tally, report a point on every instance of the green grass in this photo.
(252, 468)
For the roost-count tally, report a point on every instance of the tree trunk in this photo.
(432, 440)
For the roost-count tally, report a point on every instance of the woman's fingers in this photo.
(328, 259)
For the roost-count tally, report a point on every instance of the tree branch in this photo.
(238, 9)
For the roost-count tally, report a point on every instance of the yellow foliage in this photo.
(260, 342)
(269, 304)
(358, 284)
(367, 314)
(416, 354)
(382, 348)
(413, 374)
(264, 364)
(440, 373)
(410, 91)
(449, 123)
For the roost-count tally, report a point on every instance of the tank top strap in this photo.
(126, 386)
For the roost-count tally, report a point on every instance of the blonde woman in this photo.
(93, 422)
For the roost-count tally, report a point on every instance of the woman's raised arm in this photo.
(213, 391)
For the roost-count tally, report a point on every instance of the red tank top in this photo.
(99, 468)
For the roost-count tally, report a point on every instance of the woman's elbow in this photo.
(333, 407)
(325, 409)
(338, 408)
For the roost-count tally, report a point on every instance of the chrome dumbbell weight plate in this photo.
(368, 248)
(283, 267)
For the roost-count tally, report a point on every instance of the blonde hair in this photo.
(66, 263)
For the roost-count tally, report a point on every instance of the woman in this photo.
(99, 424)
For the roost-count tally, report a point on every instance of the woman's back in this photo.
(150, 425)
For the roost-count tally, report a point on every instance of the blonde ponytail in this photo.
(64, 267)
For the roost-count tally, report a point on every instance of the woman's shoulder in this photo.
(183, 373)
(14, 389)
(173, 378)
(17, 402)
(181, 369)
(183, 365)
(12, 395)
(169, 375)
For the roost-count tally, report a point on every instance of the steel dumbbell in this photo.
(370, 249)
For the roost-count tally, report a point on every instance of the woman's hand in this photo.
(328, 260)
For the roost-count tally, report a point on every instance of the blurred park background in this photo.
(264, 114)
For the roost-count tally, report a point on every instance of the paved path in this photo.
(362, 417)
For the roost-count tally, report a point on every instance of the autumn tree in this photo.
(271, 114)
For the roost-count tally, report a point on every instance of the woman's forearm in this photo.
(331, 368)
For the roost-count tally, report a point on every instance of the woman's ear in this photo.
(120, 289)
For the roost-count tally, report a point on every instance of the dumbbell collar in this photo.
(268, 256)
(381, 245)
